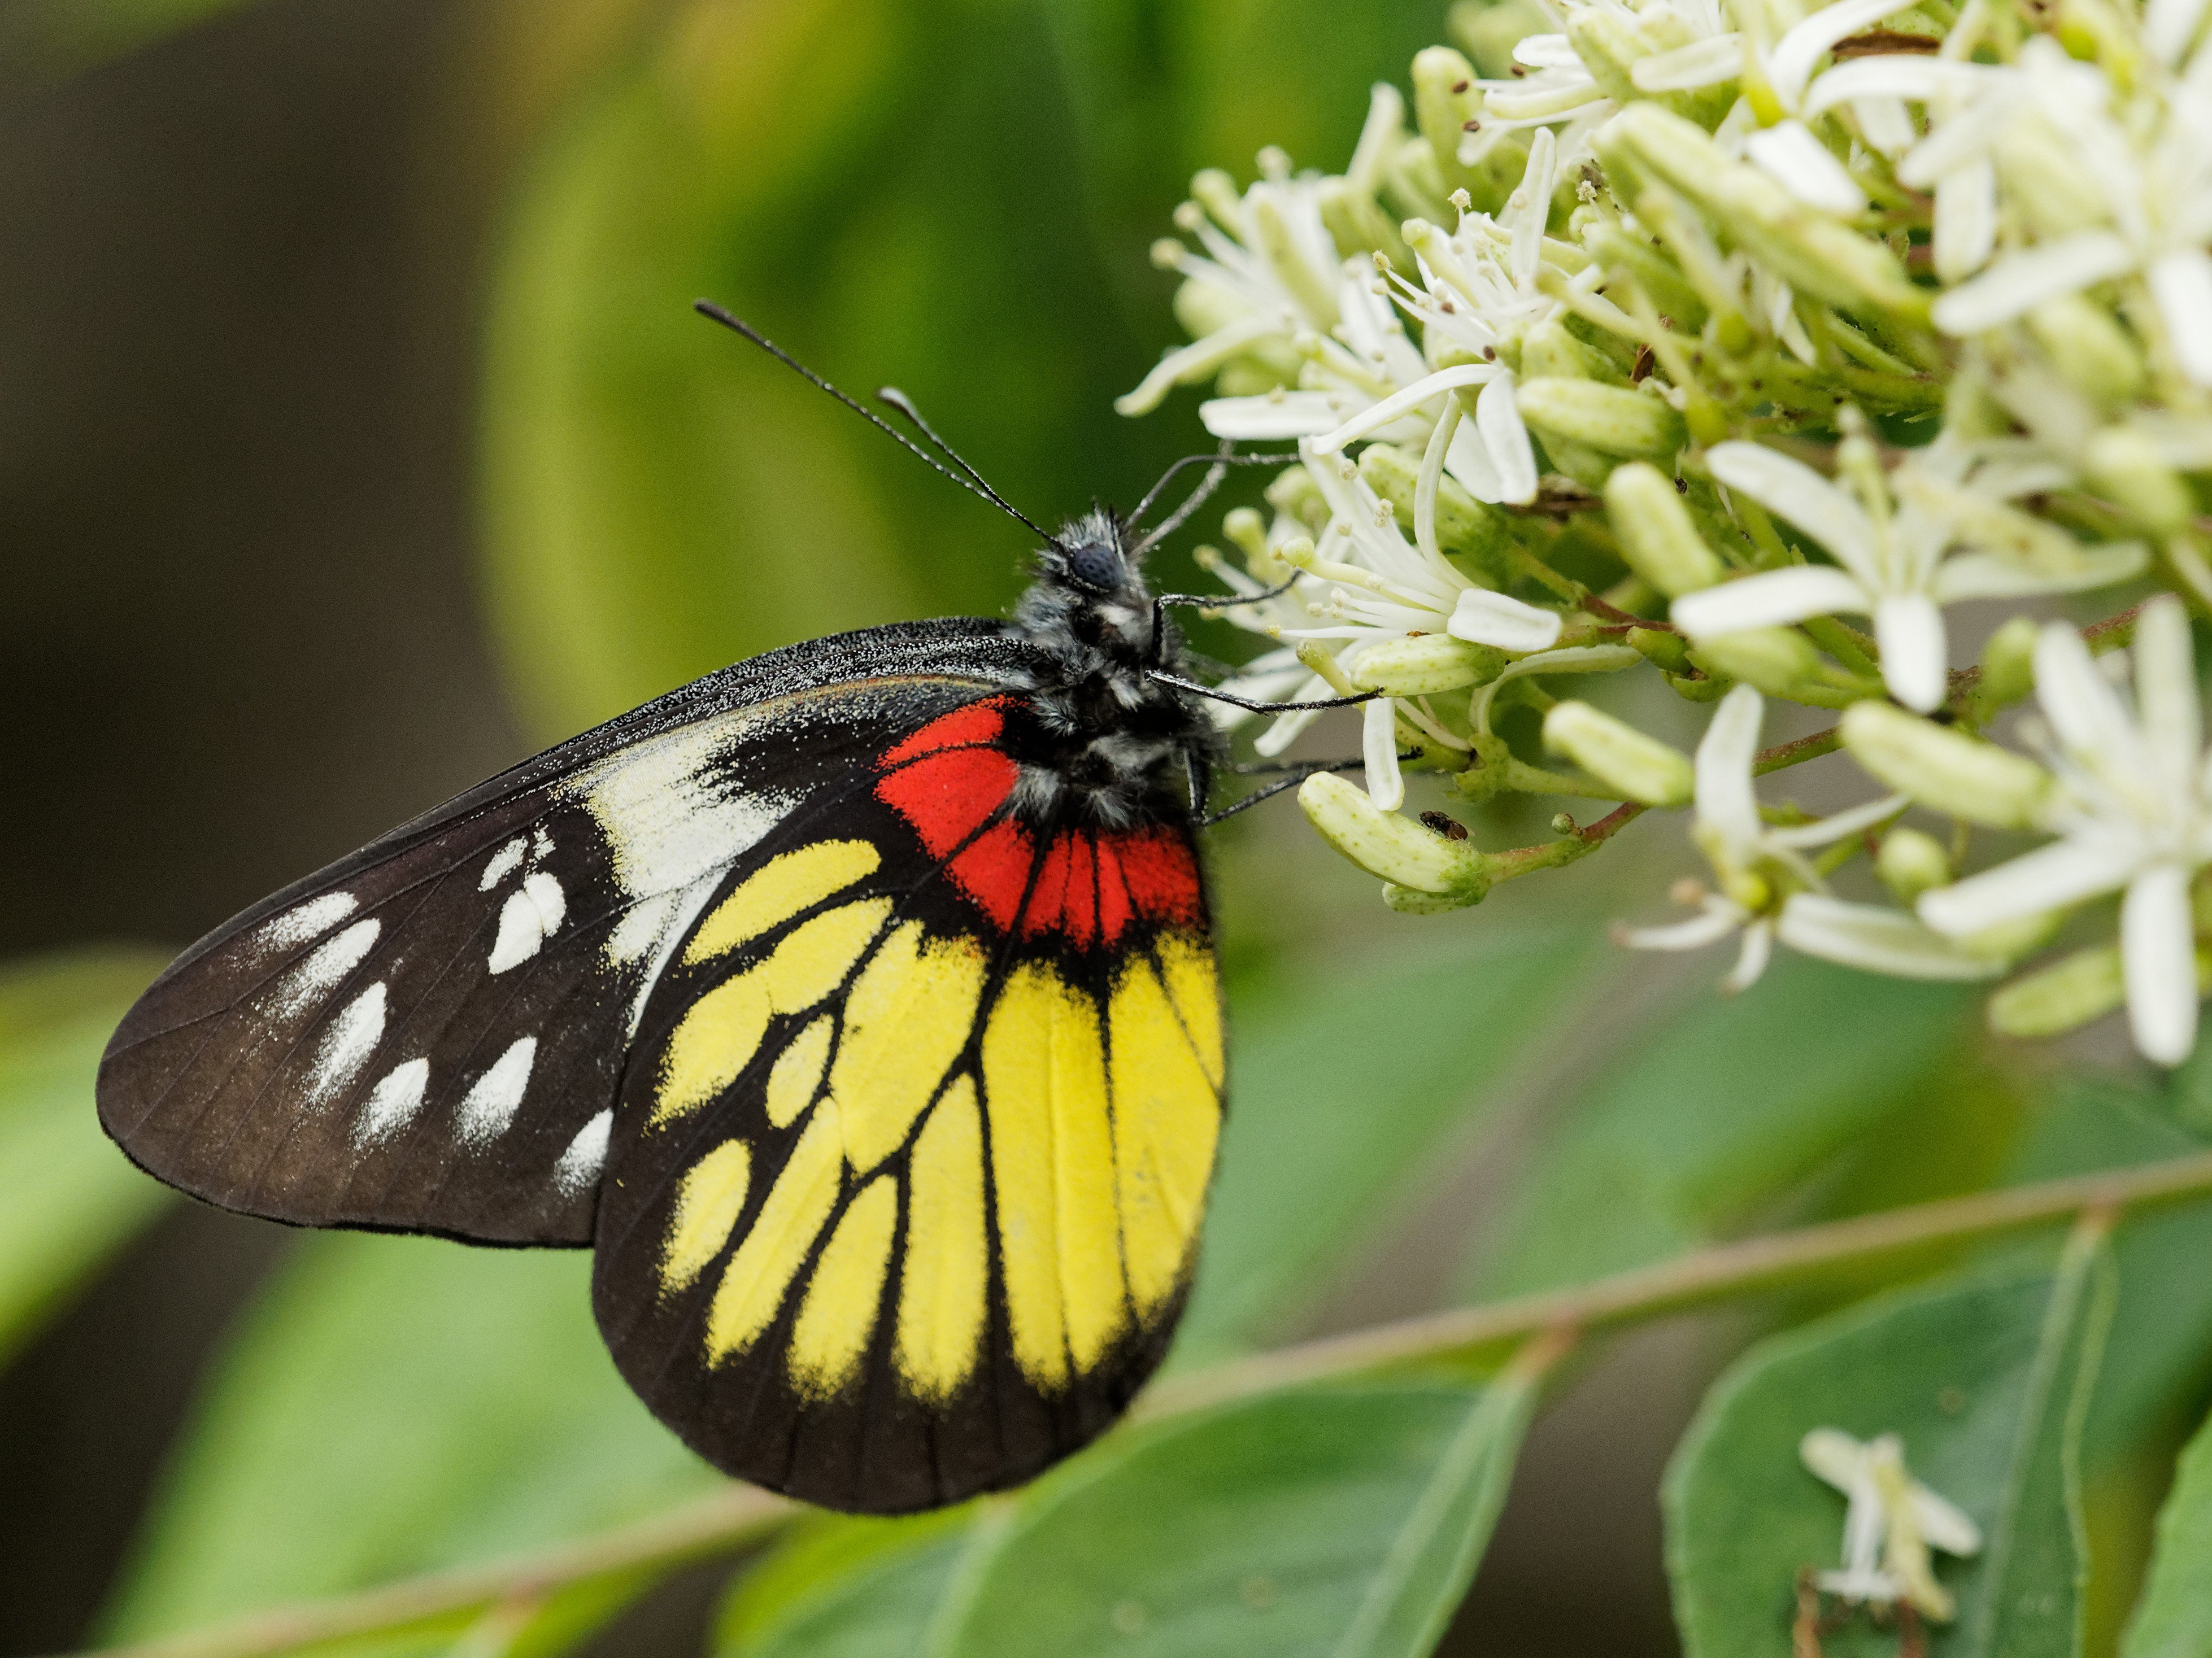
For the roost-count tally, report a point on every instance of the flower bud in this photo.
(1445, 99)
(1295, 494)
(1655, 533)
(2128, 466)
(1608, 47)
(2008, 663)
(1661, 649)
(1779, 661)
(1803, 245)
(1945, 768)
(1910, 863)
(1425, 664)
(1390, 847)
(1549, 348)
(2085, 345)
(1612, 419)
(1634, 765)
(2085, 986)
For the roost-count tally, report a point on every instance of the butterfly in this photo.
(856, 1004)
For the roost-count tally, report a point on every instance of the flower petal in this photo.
(1995, 575)
(2020, 281)
(2181, 283)
(1802, 165)
(1805, 498)
(1751, 961)
(2165, 694)
(2050, 877)
(1877, 939)
(1277, 415)
(2083, 708)
(1915, 655)
(1720, 918)
(1841, 826)
(1791, 63)
(1505, 440)
(1725, 800)
(1965, 219)
(1770, 598)
(2158, 953)
(1403, 403)
(1701, 63)
(1482, 617)
(1887, 75)
(1386, 785)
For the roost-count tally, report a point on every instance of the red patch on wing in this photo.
(976, 724)
(1066, 900)
(948, 796)
(993, 869)
(1162, 874)
(1113, 906)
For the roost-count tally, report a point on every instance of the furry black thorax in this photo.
(1125, 748)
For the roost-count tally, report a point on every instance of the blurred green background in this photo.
(357, 439)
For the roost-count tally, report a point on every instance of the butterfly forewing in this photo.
(915, 1137)
(430, 1035)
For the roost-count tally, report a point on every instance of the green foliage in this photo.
(1696, 1126)
(71, 1197)
(1986, 1378)
(76, 34)
(1348, 1089)
(2175, 1617)
(1336, 1520)
(391, 1406)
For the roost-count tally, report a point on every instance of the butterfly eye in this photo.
(1094, 567)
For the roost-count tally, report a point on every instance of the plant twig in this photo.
(739, 1515)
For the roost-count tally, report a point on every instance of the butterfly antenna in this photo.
(899, 400)
(968, 478)
(1217, 465)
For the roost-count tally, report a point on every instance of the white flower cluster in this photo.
(1735, 343)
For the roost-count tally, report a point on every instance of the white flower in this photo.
(1892, 1522)
(1269, 272)
(1786, 148)
(1769, 892)
(2133, 810)
(2111, 193)
(1891, 561)
(1366, 584)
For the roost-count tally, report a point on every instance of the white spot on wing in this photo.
(323, 971)
(541, 843)
(671, 835)
(491, 1104)
(586, 1155)
(347, 1045)
(310, 920)
(526, 920)
(504, 863)
(393, 1102)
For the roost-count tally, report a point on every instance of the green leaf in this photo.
(394, 1405)
(1342, 1520)
(1987, 1379)
(1347, 1088)
(72, 1197)
(1330, 1522)
(2173, 1619)
(837, 1588)
(1718, 1109)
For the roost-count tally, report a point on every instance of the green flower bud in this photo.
(1548, 348)
(1613, 419)
(1910, 863)
(1946, 769)
(1635, 766)
(1607, 44)
(1465, 525)
(2085, 986)
(1426, 665)
(1445, 99)
(2089, 347)
(1804, 246)
(1779, 661)
(1656, 535)
(2010, 941)
(2008, 664)
(1388, 846)
(2128, 466)
(1295, 494)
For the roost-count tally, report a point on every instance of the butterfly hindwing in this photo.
(430, 1035)
(913, 1144)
